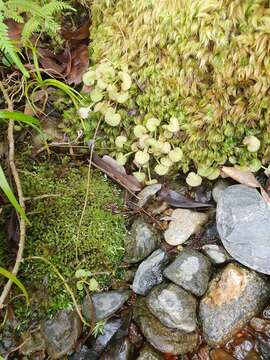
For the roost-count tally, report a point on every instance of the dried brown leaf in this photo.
(246, 178)
(175, 199)
(129, 182)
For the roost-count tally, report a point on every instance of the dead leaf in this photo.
(245, 178)
(177, 200)
(78, 35)
(128, 182)
(79, 64)
(14, 29)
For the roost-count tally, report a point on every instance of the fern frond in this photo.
(5, 43)
(55, 6)
(9, 14)
(7, 47)
(25, 6)
(31, 26)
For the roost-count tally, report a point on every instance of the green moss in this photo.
(54, 229)
(206, 63)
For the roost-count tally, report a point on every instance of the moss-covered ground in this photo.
(56, 195)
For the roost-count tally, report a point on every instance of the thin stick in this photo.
(87, 191)
(16, 177)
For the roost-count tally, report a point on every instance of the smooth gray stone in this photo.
(243, 223)
(191, 270)
(149, 273)
(235, 295)
(105, 304)
(216, 253)
(147, 193)
(141, 242)
(61, 333)
(218, 188)
(162, 338)
(173, 306)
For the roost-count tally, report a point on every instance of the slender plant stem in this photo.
(87, 192)
(17, 181)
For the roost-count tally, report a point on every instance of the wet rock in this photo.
(97, 345)
(216, 253)
(149, 353)
(149, 273)
(243, 221)
(33, 343)
(84, 353)
(218, 188)
(235, 295)
(8, 339)
(219, 354)
(184, 223)
(105, 304)
(147, 193)
(122, 351)
(266, 312)
(191, 270)
(141, 242)
(261, 325)
(61, 333)
(173, 306)
(162, 338)
(263, 345)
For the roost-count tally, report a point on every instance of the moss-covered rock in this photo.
(57, 195)
(205, 63)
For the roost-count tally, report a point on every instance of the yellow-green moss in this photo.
(204, 62)
(54, 229)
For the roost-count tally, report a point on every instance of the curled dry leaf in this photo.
(246, 178)
(177, 200)
(116, 172)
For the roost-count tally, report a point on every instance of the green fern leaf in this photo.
(7, 47)
(30, 27)
(55, 6)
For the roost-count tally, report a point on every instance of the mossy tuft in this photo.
(54, 228)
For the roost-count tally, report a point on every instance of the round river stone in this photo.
(243, 223)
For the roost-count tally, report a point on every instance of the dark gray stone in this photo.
(162, 338)
(243, 222)
(141, 242)
(97, 345)
(173, 306)
(149, 273)
(82, 354)
(105, 304)
(61, 333)
(149, 353)
(234, 297)
(191, 270)
(123, 350)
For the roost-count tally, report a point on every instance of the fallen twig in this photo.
(16, 177)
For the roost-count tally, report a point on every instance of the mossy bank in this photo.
(56, 195)
(204, 63)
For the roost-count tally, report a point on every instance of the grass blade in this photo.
(19, 116)
(16, 281)
(4, 185)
